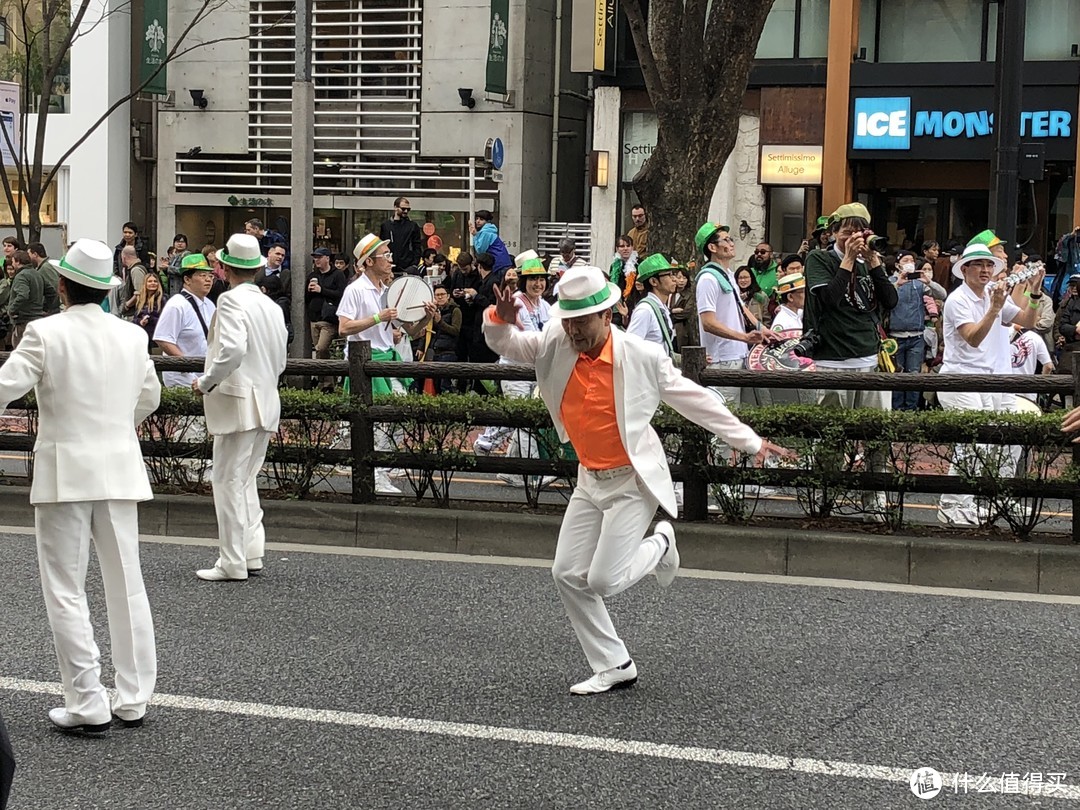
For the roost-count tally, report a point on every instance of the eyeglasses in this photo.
(759, 250)
(382, 255)
(404, 208)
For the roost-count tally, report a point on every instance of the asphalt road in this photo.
(358, 679)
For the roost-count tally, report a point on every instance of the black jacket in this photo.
(405, 242)
(322, 306)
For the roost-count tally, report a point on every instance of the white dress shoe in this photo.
(614, 678)
(958, 516)
(511, 480)
(216, 574)
(62, 718)
(668, 566)
(383, 485)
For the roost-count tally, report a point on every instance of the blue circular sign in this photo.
(498, 153)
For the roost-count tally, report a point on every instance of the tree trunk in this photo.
(677, 182)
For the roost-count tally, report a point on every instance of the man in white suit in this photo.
(244, 359)
(89, 476)
(602, 388)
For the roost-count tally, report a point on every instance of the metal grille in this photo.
(366, 67)
(549, 234)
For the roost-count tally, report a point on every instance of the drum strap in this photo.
(717, 272)
(665, 330)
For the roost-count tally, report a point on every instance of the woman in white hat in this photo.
(976, 330)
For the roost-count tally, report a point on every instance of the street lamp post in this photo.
(1008, 92)
(303, 158)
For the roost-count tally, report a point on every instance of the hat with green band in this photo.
(584, 291)
(90, 263)
(976, 250)
(242, 252)
(705, 234)
(367, 246)
(654, 265)
(529, 264)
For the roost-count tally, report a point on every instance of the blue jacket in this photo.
(486, 240)
(909, 314)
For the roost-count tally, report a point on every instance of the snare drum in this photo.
(408, 295)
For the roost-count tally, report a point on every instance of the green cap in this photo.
(653, 265)
(987, 238)
(192, 264)
(822, 224)
(707, 232)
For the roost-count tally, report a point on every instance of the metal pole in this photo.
(472, 189)
(303, 159)
(1008, 89)
(555, 111)
(694, 450)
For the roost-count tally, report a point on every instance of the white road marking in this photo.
(522, 736)
(688, 573)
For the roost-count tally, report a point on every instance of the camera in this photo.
(878, 244)
(807, 343)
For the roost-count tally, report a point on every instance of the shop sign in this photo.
(251, 202)
(638, 142)
(790, 166)
(958, 123)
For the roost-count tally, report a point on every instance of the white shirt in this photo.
(362, 299)
(1028, 350)
(178, 324)
(529, 318)
(728, 310)
(643, 322)
(993, 355)
(787, 318)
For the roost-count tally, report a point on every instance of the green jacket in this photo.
(27, 296)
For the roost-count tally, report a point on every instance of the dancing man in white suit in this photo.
(602, 388)
(94, 382)
(244, 359)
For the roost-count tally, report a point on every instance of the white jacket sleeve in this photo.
(23, 369)
(232, 342)
(704, 407)
(150, 395)
(509, 341)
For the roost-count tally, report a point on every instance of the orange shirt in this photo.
(588, 412)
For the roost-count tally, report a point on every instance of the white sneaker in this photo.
(614, 678)
(958, 516)
(479, 448)
(383, 485)
(759, 491)
(397, 472)
(668, 566)
(511, 480)
(543, 482)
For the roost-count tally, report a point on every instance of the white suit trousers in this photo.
(238, 460)
(971, 459)
(63, 540)
(602, 551)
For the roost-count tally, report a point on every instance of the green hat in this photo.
(822, 225)
(193, 264)
(987, 238)
(654, 265)
(850, 211)
(707, 232)
(529, 264)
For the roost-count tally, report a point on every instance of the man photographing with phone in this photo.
(907, 322)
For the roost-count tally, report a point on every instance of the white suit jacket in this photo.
(644, 377)
(245, 356)
(94, 382)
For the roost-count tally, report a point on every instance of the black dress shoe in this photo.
(120, 721)
(254, 572)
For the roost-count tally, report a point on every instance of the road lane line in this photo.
(685, 573)
(521, 736)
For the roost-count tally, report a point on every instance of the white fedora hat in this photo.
(242, 252)
(972, 252)
(583, 291)
(90, 263)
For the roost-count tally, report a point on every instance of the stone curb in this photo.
(945, 563)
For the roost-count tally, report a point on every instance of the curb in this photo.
(948, 563)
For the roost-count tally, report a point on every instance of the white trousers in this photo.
(522, 443)
(238, 460)
(972, 459)
(63, 541)
(602, 551)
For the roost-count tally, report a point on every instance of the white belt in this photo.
(614, 472)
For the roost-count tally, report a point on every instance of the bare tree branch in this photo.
(174, 54)
(654, 84)
(121, 8)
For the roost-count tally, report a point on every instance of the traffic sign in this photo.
(498, 153)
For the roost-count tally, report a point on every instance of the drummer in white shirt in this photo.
(362, 316)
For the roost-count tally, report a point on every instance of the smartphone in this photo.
(913, 275)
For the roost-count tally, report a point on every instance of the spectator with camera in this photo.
(849, 294)
(907, 321)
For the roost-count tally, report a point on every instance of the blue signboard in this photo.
(498, 154)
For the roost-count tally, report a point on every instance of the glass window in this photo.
(48, 203)
(1053, 26)
(947, 31)
(867, 28)
(778, 37)
(814, 29)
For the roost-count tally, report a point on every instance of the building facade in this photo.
(887, 102)
(391, 79)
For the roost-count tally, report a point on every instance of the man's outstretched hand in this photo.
(769, 449)
(505, 308)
